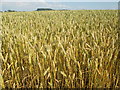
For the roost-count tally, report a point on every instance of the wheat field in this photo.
(60, 49)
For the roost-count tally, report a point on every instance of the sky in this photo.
(31, 5)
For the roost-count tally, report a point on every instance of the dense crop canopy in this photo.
(75, 49)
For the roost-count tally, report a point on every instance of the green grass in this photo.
(72, 49)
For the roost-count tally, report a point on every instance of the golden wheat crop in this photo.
(53, 49)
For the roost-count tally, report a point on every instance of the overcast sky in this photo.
(30, 5)
(59, 0)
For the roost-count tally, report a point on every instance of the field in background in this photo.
(46, 49)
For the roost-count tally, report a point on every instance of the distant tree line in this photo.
(10, 11)
(43, 9)
(38, 9)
